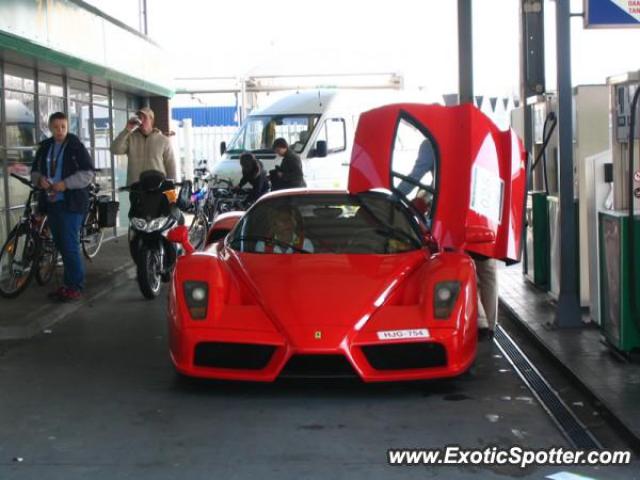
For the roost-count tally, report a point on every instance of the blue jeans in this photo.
(65, 229)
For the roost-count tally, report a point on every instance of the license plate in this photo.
(398, 334)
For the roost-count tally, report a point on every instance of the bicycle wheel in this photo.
(198, 230)
(91, 235)
(16, 261)
(48, 258)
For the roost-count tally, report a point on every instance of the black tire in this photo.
(24, 240)
(91, 235)
(148, 274)
(48, 258)
(198, 230)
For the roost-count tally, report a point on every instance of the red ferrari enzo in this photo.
(374, 280)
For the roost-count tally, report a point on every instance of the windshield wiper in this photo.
(269, 240)
(387, 229)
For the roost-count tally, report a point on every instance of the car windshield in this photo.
(259, 132)
(369, 223)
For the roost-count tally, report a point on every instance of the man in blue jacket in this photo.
(63, 169)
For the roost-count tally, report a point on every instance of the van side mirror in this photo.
(223, 147)
(321, 148)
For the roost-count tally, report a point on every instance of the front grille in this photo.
(403, 356)
(243, 356)
(318, 366)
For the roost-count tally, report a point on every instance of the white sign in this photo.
(487, 190)
(398, 334)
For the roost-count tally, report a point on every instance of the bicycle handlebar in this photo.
(24, 180)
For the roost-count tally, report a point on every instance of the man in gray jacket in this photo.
(146, 147)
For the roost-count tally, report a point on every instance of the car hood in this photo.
(310, 292)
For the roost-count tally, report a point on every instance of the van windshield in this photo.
(259, 132)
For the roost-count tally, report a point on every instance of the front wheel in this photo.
(149, 271)
(198, 230)
(16, 261)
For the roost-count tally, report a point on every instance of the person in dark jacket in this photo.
(253, 173)
(63, 169)
(289, 173)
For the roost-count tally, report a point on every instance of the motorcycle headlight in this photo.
(139, 223)
(156, 224)
(196, 295)
(444, 298)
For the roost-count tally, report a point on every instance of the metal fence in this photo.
(204, 141)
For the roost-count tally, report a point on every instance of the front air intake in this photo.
(318, 366)
(239, 356)
(404, 356)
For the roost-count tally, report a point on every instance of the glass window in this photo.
(20, 119)
(369, 223)
(334, 133)
(102, 162)
(49, 84)
(101, 127)
(100, 95)
(79, 90)
(259, 132)
(119, 120)
(19, 78)
(119, 99)
(79, 121)
(413, 163)
(134, 103)
(48, 106)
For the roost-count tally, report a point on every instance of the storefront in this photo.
(67, 56)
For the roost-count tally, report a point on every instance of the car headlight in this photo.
(444, 298)
(196, 295)
(139, 223)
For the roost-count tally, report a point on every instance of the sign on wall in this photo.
(611, 13)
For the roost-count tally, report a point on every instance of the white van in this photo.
(319, 125)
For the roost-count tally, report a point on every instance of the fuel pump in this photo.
(619, 228)
(590, 151)
(543, 181)
(590, 137)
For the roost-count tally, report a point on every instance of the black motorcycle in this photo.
(152, 214)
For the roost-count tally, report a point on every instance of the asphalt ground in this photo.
(96, 397)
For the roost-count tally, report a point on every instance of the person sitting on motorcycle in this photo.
(253, 173)
(287, 233)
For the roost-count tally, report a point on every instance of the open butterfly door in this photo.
(470, 175)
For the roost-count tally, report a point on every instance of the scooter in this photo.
(152, 214)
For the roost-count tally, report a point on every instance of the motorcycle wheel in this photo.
(148, 275)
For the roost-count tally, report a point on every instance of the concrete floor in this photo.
(96, 397)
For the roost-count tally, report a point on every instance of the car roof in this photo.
(291, 192)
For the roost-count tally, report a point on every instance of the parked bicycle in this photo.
(212, 197)
(222, 198)
(28, 251)
(102, 213)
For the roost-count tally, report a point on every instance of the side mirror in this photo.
(223, 147)
(321, 148)
(180, 234)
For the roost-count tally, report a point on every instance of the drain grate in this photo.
(574, 430)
